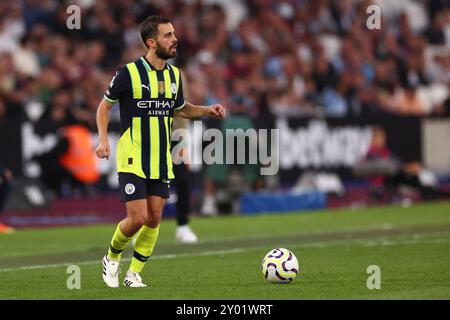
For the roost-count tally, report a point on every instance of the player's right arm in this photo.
(116, 88)
(103, 150)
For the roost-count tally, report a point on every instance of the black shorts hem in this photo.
(133, 187)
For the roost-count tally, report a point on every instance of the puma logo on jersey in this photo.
(146, 87)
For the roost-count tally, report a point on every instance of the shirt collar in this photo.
(150, 66)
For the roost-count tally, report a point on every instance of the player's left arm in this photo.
(184, 109)
(191, 111)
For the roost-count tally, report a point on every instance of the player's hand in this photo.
(217, 111)
(103, 150)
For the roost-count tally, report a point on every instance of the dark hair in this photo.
(149, 27)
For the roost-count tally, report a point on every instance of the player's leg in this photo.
(127, 228)
(183, 233)
(134, 193)
(148, 234)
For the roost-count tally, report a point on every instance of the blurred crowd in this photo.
(294, 58)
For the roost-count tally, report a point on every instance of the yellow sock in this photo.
(145, 242)
(118, 243)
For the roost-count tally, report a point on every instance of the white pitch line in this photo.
(366, 243)
(157, 257)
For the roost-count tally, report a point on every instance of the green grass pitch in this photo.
(334, 248)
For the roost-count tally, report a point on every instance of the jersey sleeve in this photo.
(180, 103)
(117, 86)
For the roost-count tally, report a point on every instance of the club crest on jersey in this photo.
(161, 87)
(130, 188)
(174, 88)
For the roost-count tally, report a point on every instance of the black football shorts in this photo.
(133, 187)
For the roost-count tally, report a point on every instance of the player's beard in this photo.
(163, 53)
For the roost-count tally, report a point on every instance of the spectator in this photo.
(406, 101)
(5, 189)
(70, 167)
(25, 58)
(386, 173)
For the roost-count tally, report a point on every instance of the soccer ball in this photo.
(280, 266)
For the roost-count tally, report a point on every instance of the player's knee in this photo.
(152, 224)
(138, 219)
(153, 219)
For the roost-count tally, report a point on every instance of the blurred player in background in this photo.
(150, 94)
(184, 233)
(218, 175)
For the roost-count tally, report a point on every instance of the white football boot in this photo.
(184, 234)
(133, 280)
(110, 272)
